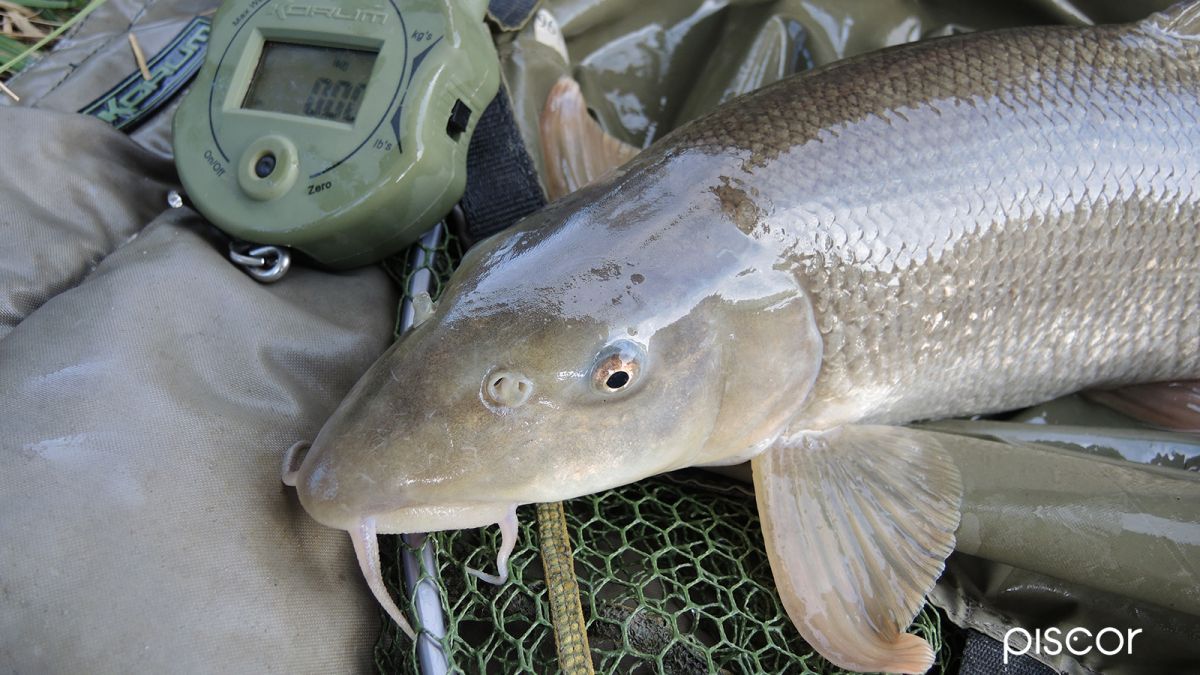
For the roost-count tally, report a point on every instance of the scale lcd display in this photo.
(326, 83)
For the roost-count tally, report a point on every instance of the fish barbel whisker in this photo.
(366, 548)
(508, 542)
(291, 462)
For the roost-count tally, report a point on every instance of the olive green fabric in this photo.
(145, 410)
(992, 597)
(71, 197)
(1055, 537)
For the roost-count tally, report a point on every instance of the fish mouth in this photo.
(365, 537)
(365, 522)
(435, 518)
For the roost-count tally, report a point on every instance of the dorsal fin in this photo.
(1179, 20)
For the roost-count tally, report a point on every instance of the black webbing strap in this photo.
(511, 15)
(502, 181)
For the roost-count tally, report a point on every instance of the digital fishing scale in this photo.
(336, 127)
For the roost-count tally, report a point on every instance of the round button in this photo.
(268, 168)
(265, 165)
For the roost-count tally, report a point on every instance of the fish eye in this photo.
(617, 367)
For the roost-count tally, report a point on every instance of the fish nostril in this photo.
(508, 389)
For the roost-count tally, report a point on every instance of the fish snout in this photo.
(507, 388)
(323, 491)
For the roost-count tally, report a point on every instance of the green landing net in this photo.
(672, 573)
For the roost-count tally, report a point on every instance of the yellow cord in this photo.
(566, 612)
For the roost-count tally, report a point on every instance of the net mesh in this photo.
(673, 578)
(672, 572)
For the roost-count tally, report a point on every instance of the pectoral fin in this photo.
(576, 149)
(858, 522)
(423, 308)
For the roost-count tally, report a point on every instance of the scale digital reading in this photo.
(338, 128)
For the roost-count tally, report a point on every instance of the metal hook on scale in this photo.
(267, 264)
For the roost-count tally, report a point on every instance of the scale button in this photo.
(268, 168)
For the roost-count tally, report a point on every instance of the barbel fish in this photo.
(959, 226)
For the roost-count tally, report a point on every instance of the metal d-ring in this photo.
(266, 264)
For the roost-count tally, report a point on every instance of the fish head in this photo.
(579, 351)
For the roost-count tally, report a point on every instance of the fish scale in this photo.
(930, 193)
